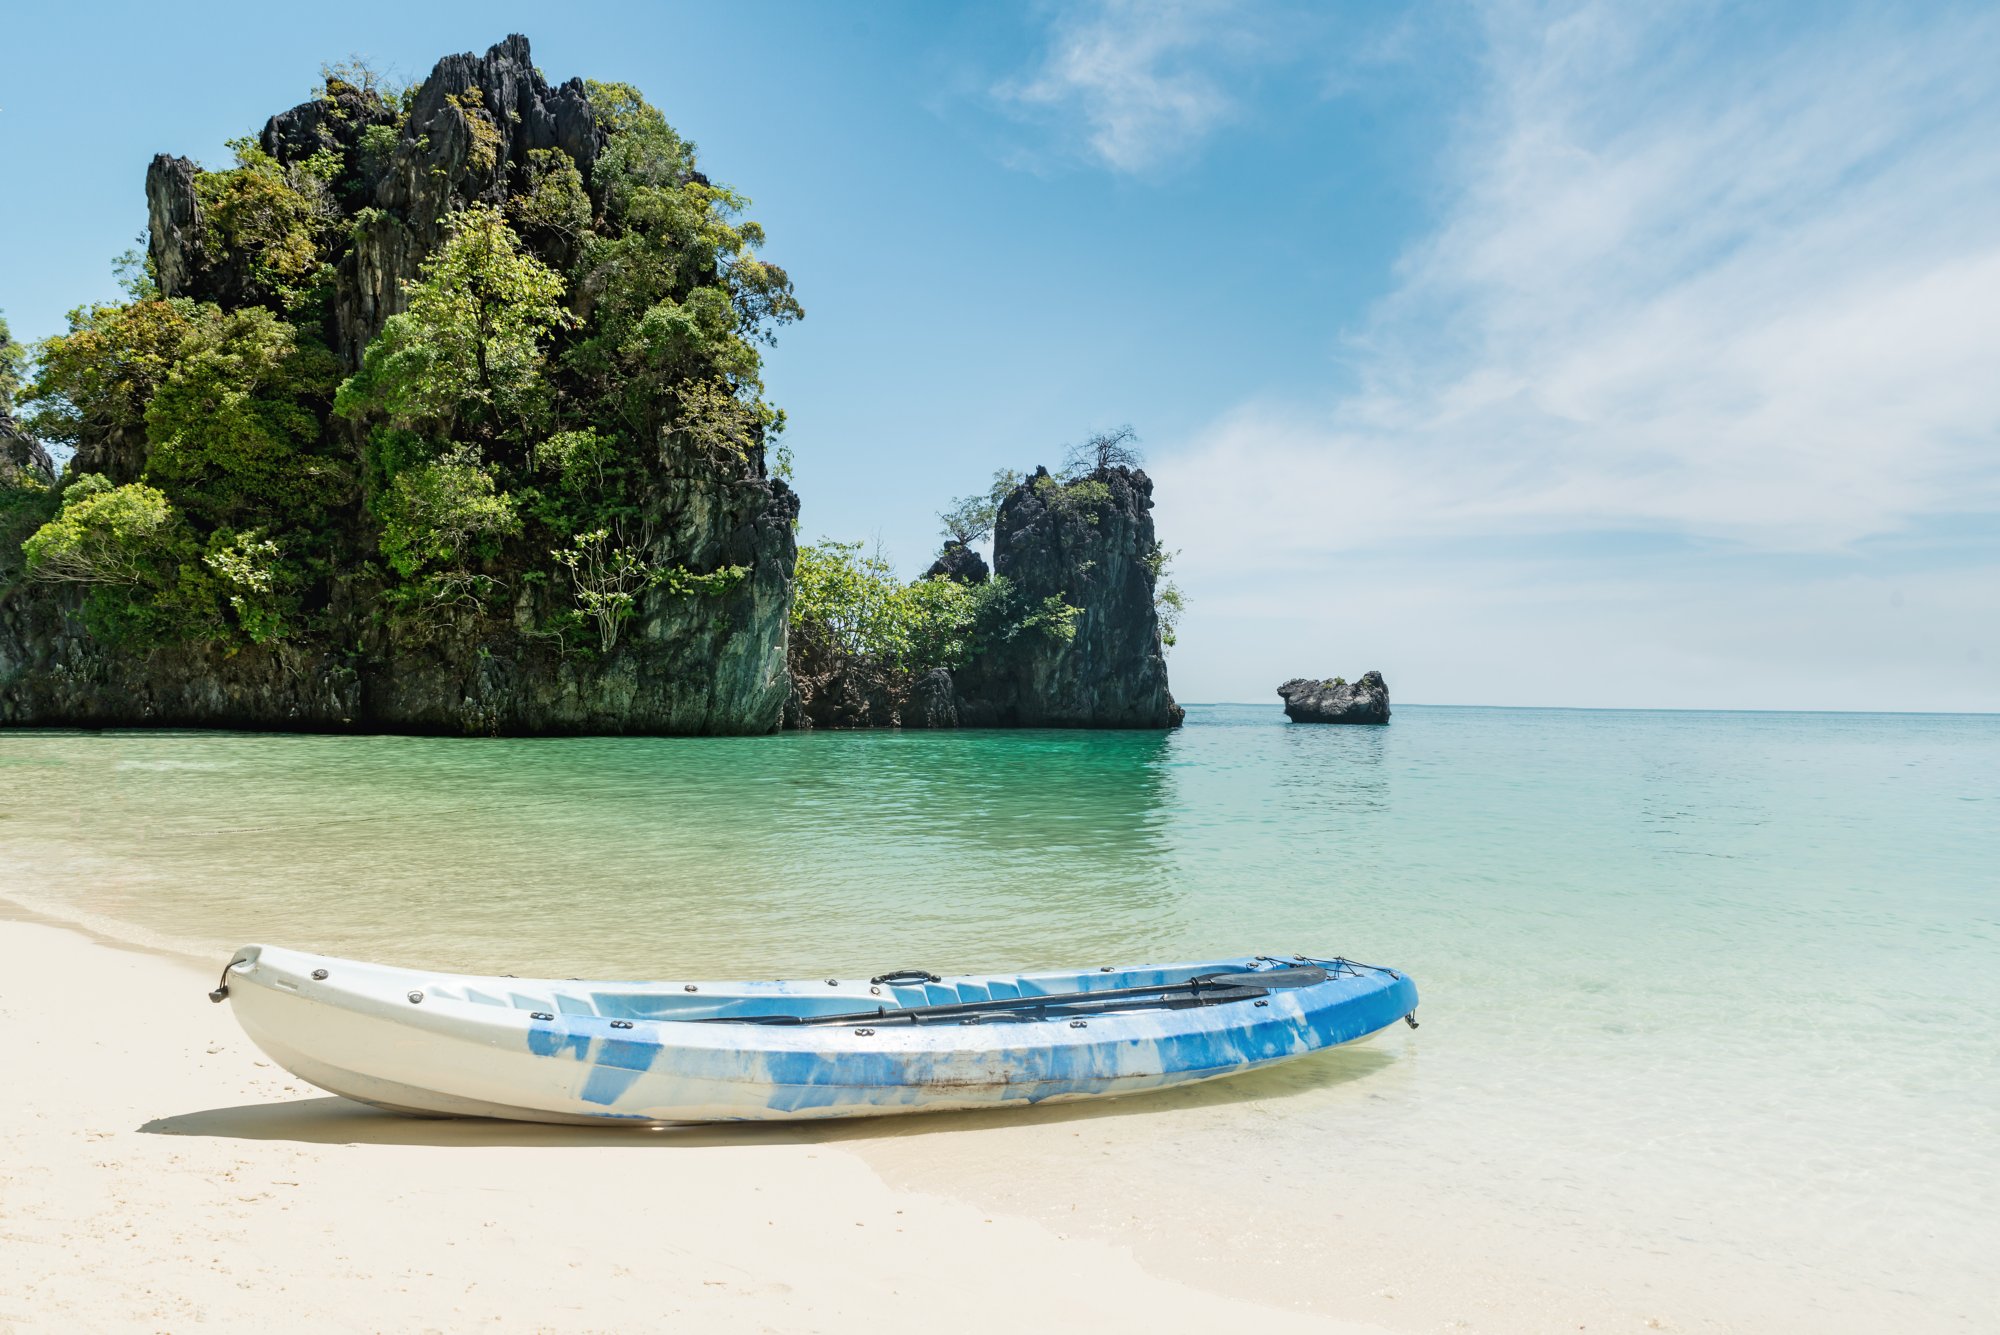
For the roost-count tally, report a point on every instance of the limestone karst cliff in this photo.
(440, 411)
(1089, 541)
(1065, 631)
(442, 414)
(1336, 700)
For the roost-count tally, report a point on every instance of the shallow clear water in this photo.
(1710, 1000)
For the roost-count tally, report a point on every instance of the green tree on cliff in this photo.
(571, 356)
(466, 359)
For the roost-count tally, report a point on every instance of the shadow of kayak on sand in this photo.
(336, 1121)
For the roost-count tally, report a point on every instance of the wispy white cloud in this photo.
(1135, 85)
(1696, 276)
(1735, 287)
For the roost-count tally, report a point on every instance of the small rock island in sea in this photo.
(441, 410)
(1337, 700)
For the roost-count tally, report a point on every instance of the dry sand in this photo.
(156, 1173)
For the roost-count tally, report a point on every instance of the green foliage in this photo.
(467, 355)
(140, 562)
(233, 427)
(643, 149)
(575, 464)
(1168, 600)
(103, 534)
(851, 604)
(358, 74)
(715, 423)
(232, 512)
(1074, 498)
(485, 150)
(607, 576)
(674, 286)
(26, 503)
(1006, 615)
(134, 269)
(563, 366)
(95, 381)
(970, 518)
(272, 217)
(554, 203)
(685, 583)
(375, 148)
(13, 363)
(249, 567)
(438, 513)
(140, 557)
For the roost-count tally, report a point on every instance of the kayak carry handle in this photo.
(906, 976)
(222, 984)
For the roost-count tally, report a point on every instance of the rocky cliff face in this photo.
(475, 132)
(1064, 632)
(959, 562)
(400, 195)
(1336, 701)
(1089, 542)
(22, 456)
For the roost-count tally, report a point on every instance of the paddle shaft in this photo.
(1196, 991)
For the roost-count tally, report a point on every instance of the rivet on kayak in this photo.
(865, 1033)
(1079, 1024)
(319, 975)
(833, 982)
(875, 991)
(1105, 969)
(689, 987)
(1263, 1003)
(416, 997)
(621, 1024)
(540, 1015)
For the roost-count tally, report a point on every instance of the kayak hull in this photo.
(650, 1053)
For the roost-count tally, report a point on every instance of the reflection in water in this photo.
(1335, 763)
(704, 856)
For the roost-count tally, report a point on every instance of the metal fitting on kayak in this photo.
(1411, 1019)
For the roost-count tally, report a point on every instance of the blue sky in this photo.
(1533, 354)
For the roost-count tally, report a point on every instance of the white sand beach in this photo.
(157, 1173)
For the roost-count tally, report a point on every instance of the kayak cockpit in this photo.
(1204, 989)
(909, 996)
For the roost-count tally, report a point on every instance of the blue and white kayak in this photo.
(542, 1050)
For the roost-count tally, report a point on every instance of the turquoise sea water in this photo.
(1711, 1019)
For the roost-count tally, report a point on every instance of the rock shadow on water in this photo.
(330, 1120)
